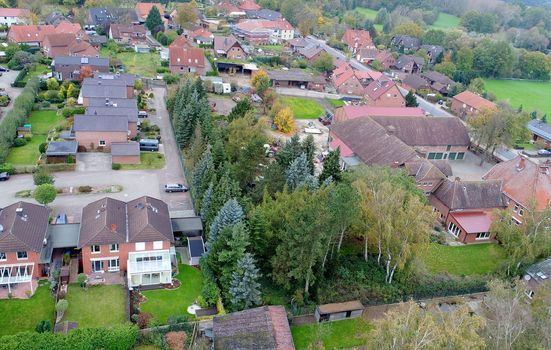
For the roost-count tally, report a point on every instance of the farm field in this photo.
(531, 94)
(475, 259)
(446, 21)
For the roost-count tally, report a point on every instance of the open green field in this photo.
(531, 94)
(303, 108)
(331, 335)
(162, 303)
(370, 14)
(144, 64)
(21, 315)
(446, 21)
(149, 160)
(96, 306)
(42, 122)
(474, 259)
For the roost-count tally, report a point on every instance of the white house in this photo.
(9, 16)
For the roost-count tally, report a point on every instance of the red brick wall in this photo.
(133, 128)
(122, 254)
(458, 110)
(351, 87)
(235, 53)
(391, 98)
(86, 138)
(32, 257)
(126, 159)
(175, 69)
(440, 207)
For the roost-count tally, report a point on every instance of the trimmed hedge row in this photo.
(121, 337)
(18, 82)
(22, 107)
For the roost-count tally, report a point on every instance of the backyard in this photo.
(331, 335)
(531, 94)
(446, 21)
(162, 303)
(21, 315)
(96, 306)
(474, 259)
(303, 108)
(42, 122)
(149, 160)
(37, 70)
(144, 64)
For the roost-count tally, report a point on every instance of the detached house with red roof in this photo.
(23, 232)
(228, 47)
(67, 44)
(349, 81)
(384, 93)
(132, 34)
(357, 40)
(201, 36)
(128, 238)
(186, 60)
(465, 208)
(467, 104)
(10, 16)
(32, 35)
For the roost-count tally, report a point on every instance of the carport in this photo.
(63, 237)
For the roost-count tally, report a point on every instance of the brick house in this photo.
(467, 104)
(67, 44)
(541, 132)
(357, 40)
(186, 60)
(32, 35)
(143, 9)
(465, 208)
(410, 64)
(349, 81)
(132, 238)
(310, 53)
(262, 32)
(352, 112)
(405, 42)
(384, 93)
(526, 185)
(228, 47)
(428, 174)
(367, 55)
(69, 67)
(385, 59)
(107, 86)
(131, 34)
(23, 230)
(201, 36)
(414, 82)
(99, 132)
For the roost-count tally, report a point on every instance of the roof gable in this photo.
(24, 226)
(463, 195)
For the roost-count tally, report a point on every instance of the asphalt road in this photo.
(431, 108)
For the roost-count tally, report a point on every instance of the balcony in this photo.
(150, 261)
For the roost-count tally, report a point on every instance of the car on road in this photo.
(175, 188)
(142, 114)
(4, 69)
(4, 176)
(544, 153)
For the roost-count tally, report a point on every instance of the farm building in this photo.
(339, 311)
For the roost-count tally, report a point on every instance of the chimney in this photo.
(521, 164)
(457, 179)
(113, 227)
(391, 129)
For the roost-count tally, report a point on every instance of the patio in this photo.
(18, 290)
(105, 278)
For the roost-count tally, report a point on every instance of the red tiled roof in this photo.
(143, 8)
(249, 5)
(345, 150)
(187, 56)
(524, 181)
(68, 27)
(383, 55)
(255, 24)
(378, 87)
(14, 12)
(345, 72)
(352, 112)
(473, 222)
(228, 7)
(357, 38)
(473, 100)
(201, 32)
(30, 33)
(180, 41)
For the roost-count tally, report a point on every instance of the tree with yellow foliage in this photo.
(261, 82)
(285, 121)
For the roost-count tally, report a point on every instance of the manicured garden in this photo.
(303, 108)
(144, 64)
(149, 160)
(162, 303)
(331, 335)
(20, 315)
(36, 70)
(96, 306)
(446, 21)
(42, 122)
(474, 259)
(531, 94)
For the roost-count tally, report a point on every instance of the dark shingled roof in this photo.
(405, 59)
(106, 102)
(100, 123)
(423, 169)
(196, 246)
(93, 61)
(416, 81)
(125, 148)
(261, 328)
(457, 195)
(62, 148)
(108, 220)
(130, 112)
(426, 131)
(24, 227)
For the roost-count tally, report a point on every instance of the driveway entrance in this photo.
(93, 161)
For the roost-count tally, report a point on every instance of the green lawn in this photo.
(331, 335)
(532, 95)
(162, 303)
(20, 315)
(96, 306)
(369, 14)
(37, 70)
(303, 108)
(149, 160)
(42, 122)
(144, 64)
(474, 259)
(446, 21)
(335, 103)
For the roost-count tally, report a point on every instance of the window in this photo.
(516, 208)
(95, 249)
(452, 156)
(483, 235)
(102, 142)
(453, 229)
(448, 147)
(97, 266)
(113, 265)
(3, 256)
(520, 211)
(158, 245)
(438, 155)
(431, 155)
(21, 255)
(114, 247)
(140, 246)
(460, 155)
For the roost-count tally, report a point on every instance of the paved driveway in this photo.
(5, 80)
(93, 161)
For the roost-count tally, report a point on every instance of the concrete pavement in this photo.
(5, 83)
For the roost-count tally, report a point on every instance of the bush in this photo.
(176, 340)
(210, 292)
(62, 306)
(19, 142)
(4, 101)
(7, 168)
(143, 319)
(44, 326)
(161, 70)
(43, 147)
(85, 189)
(42, 176)
(164, 63)
(82, 278)
(116, 166)
(171, 78)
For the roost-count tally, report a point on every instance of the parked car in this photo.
(544, 153)
(4, 176)
(149, 145)
(142, 114)
(4, 69)
(175, 188)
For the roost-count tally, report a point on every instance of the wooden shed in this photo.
(339, 311)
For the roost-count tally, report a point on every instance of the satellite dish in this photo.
(527, 277)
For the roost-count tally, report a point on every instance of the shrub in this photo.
(210, 292)
(176, 340)
(81, 279)
(4, 101)
(45, 194)
(85, 189)
(164, 63)
(116, 166)
(7, 168)
(44, 326)
(162, 70)
(143, 320)
(62, 306)
(171, 78)
(19, 142)
(42, 176)
(70, 159)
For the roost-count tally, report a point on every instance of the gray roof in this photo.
(59, 236)
(434, 51)
(93, 61)
(540, 271)
(405, 59)
(129, 79)
(311, 51)
(196, 246)
(462, 195)
(540, 128)
(190, 226)
(264, 14)
(105, 81)
(62, 148)
(434, 76)
(415, 81)
(130, 112)
(97, 39)
(24, 226)
(125, 149)
(292, 75)
(104, 91)
(106, 101)
(405, 41)
(100, 123)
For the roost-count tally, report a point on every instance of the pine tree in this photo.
(207, 202)
(202, 168)
(230, 214)
(411, 100)
(289, 152)
(309, 148)
(154, 21)
(244, 288)
(226, 189)
(332, 166)
(240, 109)
(200, 88)
(230, 246)
(298, 174)
(218, 153)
